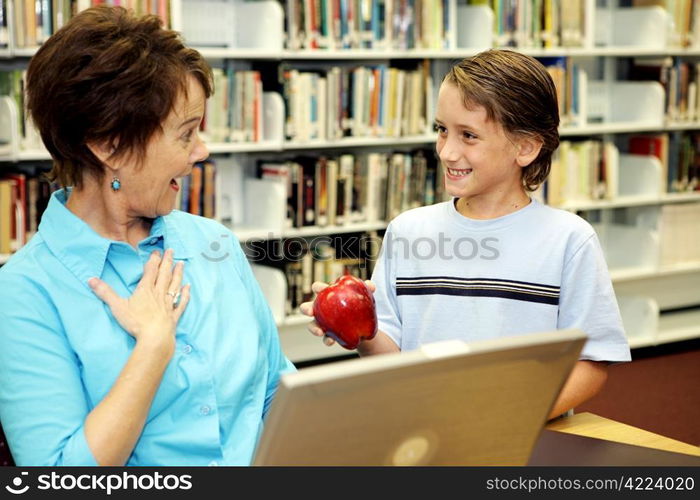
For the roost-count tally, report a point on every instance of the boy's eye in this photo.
(439, 128)
(468, 135)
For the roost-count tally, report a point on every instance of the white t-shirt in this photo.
(441, 276)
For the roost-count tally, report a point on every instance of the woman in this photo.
(173, 374)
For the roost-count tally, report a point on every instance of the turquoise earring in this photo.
(116, 184)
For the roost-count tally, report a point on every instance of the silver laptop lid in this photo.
(448, 403)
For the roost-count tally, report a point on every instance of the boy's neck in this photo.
(476, 207)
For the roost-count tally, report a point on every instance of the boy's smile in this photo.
(457, 174)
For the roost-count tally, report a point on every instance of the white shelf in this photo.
(245, 234)
(228, 53)
(349, 54)
(674, 327)
(611, 128)
(24, 52)
(295, 320)
(639, 51)
(637, 342)
(621, 201)
(631, 201)
(682, 126)
(377, 54)
(225, 147)
(346, 142)
(360, 54)
(625, 127)
(298, 344)
(27, 155)
(33, 154)
(353, 142)
(272, 146)
(644, 273)
(459, 53)
(266, 54)
(618, 275)
(680, 197)
(250, 147)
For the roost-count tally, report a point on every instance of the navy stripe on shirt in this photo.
(478, 287)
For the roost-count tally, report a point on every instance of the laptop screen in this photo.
(448, 403)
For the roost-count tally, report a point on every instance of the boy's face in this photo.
(480, 161)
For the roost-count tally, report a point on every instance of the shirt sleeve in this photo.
(384, 277)
(277, 362)
(43, 406)
(587, 302)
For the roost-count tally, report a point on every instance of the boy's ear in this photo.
(528, 149)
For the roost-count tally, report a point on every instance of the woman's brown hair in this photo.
(107, 77)
(517, 92)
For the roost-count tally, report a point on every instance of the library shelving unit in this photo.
(642, 219)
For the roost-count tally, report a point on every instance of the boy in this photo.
(493, 262)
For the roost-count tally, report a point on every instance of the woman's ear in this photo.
(528, 149)
(103, 151)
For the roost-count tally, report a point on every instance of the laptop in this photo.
(448, 403)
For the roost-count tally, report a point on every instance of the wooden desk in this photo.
(590, 425)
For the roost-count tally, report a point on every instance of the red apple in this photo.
(345, 312)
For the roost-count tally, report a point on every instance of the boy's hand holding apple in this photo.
(344, 311)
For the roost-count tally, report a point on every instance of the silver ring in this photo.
(175, 296)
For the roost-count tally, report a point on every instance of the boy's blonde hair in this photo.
(517, 92)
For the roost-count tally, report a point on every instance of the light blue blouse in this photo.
(61, 349)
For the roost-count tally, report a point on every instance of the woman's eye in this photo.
(188, 136)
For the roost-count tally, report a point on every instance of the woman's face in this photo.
(150, 189)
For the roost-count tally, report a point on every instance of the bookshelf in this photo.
(600, 39)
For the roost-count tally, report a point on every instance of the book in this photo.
(19, 200)
(282, 173)
(4, 31)
(655, 145)
(7, 216)
(195, 201)
(321, 188)
(346, 189)
(332, 191)
(309, 194)
(185, 192)
(209, 190)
